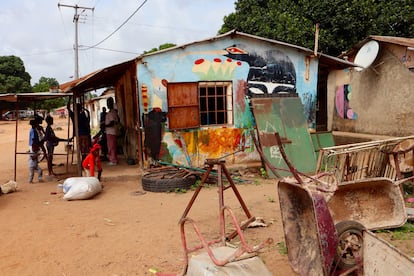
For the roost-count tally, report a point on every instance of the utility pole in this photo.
(75, 100)
(76, 20)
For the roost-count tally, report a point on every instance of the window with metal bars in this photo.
(195, 104)
(215, 103)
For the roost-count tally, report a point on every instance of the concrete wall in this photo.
(378, 100)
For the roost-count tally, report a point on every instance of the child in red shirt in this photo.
(92, 160)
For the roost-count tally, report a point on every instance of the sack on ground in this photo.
(81, 187)
(8, 187)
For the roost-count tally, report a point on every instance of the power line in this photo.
(117, 29)
(106, 49)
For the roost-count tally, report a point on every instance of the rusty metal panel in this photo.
(284, 115)
(381, 258)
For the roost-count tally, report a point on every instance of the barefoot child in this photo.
(92, 162)
(34, 164)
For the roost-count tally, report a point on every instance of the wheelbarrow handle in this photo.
(399, 182)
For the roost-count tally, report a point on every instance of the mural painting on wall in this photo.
(270, 73)
(187, 148)
(342, 98)
(253, 72)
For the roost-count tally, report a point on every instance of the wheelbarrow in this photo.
(319, 246)
(325, 223)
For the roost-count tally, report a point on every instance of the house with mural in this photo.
(377, 97)
(202, 100)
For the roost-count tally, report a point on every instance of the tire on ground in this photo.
(152, 184)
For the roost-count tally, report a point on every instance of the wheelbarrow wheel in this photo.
(349, 250)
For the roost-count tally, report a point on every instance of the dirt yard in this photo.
(118, 232)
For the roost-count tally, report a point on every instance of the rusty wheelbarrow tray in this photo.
(376, 203)
(309, 230)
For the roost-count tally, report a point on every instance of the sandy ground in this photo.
(118, 232)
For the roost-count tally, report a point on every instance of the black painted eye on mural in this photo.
(271, 73)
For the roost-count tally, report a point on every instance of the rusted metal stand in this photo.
(221, 188)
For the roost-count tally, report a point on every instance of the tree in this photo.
(44, 85)
(13, 75)
(342, 23)
(161, 47)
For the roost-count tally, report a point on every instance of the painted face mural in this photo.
(271, 72)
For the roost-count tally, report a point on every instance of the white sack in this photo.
(8, 187)
(81, 187)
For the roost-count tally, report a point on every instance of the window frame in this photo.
(182, 106)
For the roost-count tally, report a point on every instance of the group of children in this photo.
(37, 138)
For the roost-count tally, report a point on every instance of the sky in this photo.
(42, 34)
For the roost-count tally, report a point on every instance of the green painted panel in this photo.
(322, 140)
(284, 115)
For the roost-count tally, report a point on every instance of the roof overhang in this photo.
(101, 78)
(333, 63)
(32, 97)
(402, 41)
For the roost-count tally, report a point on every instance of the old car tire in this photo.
(350, 238)
(152, 184)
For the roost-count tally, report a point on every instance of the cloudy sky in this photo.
(43, 34)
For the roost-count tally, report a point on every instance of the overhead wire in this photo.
(117, 29)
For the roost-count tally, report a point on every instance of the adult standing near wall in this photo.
(111, 126)
(84, 128)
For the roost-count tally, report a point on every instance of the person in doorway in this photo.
(84, 128)
(33, 162)
(100, 137)
(92, 162)
(111, 126)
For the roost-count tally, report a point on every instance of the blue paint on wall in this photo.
(180, 65)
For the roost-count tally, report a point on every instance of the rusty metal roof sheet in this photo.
(101, 78)
(107, 76)
(402, 41)
(31, 97)
(326, 61)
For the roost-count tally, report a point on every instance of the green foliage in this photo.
(13, 75)
(405, 232)
(161, 47)
(342, 23)
(282, 248)
(44, 85)
(263, 172)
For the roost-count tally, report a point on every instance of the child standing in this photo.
(34, 164)
(92, 162)
(51, 142)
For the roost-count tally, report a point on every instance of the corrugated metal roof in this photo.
(107, 76)
(403, 41)
(101, 78)
(326, 60)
